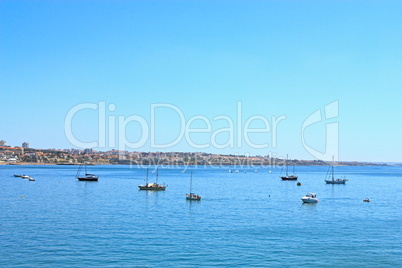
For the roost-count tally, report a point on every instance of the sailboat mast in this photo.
(78, 171)
(156, 175)
(191, 180)
(286, 164)
(333, 163)
(146, 180)
(85, 168)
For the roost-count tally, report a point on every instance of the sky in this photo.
(310, 79)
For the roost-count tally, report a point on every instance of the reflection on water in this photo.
(311, 206)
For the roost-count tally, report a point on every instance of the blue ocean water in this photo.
(243, 220)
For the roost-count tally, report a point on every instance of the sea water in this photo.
(245, 219)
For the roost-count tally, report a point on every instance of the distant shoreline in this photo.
(183, 164)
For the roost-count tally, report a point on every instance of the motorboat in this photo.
(310, 198)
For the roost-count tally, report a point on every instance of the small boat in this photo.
(336, 181)
(18, 176)
(366, 200)
(25, 177)
(298, 184)
(152, 186)
(191, 195)
(310, 198)
(31, 179)
(333, 180)
(87, 177)
(288, 177)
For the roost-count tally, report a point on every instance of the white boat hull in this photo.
(309, 200)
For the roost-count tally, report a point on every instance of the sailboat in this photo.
(288, 177)
(152, 186)
(87, 177)
(191, 195)
(333, 180)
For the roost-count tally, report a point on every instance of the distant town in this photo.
(16, 155)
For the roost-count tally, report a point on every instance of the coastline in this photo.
(354, 164)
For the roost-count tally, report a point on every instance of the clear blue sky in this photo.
(275, 57)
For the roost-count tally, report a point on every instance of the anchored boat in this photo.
(310, 198)
(333, 180)
(288, 177)
(152, 186)
(191, 195)
(87, 177)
